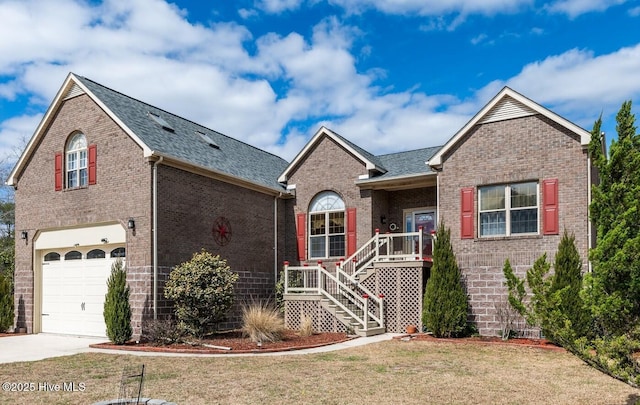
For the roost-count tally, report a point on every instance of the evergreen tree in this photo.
(6, 303)
(445, 302)
(565, 288)
(613, 293)
(117, 310)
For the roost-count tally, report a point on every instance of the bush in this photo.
(202, 291)
(445, 301)
(117, 311)
(161, 331)
(262, 322)
(6, 304)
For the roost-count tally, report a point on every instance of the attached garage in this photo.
(73, 279)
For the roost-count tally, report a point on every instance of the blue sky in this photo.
(389, 75)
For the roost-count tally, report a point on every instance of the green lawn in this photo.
(391, 372)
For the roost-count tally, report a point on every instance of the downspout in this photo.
(275, 239)
(589, 223)
(155, 237)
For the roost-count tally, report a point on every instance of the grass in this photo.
(388, 372)
(262, 322)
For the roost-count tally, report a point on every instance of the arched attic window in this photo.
(327, 226)
(76, 158)
(77, 166)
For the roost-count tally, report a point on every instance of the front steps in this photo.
(372, 326)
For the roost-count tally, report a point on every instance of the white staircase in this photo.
(342, 292)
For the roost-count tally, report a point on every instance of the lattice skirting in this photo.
(323, 321)
(401, 287)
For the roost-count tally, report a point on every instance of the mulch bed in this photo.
(527, 342)
(236, 342)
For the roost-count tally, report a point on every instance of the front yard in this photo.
(389, 372)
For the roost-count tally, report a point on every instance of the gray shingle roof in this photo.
(233, 157)
(407, 163)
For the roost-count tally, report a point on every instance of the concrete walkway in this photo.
(44, 345)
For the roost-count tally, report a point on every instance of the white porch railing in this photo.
(386, 247)
(342, 288)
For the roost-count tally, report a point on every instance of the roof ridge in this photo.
(411, 150)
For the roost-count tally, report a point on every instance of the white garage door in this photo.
(73, 290)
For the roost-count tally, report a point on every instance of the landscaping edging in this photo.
(164, 349)
(516, 342)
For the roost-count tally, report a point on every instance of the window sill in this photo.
(510, 237)
(75, 188)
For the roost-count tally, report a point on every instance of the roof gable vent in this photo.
(506, 109)
(160, 121)
(74, 91)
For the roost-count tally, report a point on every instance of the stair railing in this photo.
(317, 280)
(382, 248)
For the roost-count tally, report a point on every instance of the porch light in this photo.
(131, 224)
(24, 235)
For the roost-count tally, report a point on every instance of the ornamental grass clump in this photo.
(306, 327)
(262, 322)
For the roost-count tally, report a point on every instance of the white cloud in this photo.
(14, 135)
(278, 6)
(276, 96)
(574, 8)
(578, 84)
(433, 7)
(634, 12)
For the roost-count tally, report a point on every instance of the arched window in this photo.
(76, 158)
(73, 255)
(96, 254)
(327, 226)
(118, 252)
(52, 257)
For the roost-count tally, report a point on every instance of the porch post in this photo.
(286, 277)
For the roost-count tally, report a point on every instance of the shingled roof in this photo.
(190, 142)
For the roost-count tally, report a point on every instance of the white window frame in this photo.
(326, 203)
(508, 209)
(76, 173)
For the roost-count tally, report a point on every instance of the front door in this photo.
(426, 219)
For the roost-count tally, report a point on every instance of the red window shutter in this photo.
(91, 165)
(58, 171)
(550, 223)
(352, 225)
(466, 213)
(301, 228)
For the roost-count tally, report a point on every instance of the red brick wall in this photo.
(122, 191)
(187, 208)
(529, 148)
(330, 167)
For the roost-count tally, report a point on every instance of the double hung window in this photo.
(510, 209)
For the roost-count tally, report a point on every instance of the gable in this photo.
(168, 137)
(370, 162)
(506, 105)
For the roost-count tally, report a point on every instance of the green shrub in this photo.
(117, 311)
(202, 291)
(6, 304)
(445, 301)
(262, 322)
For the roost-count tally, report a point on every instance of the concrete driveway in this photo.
(42, 346)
